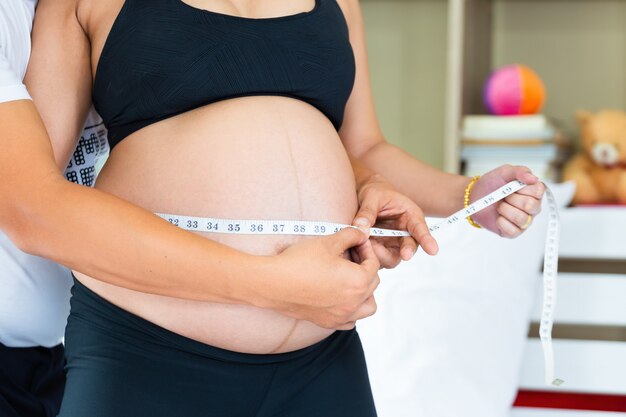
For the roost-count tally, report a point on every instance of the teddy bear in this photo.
(599, 169)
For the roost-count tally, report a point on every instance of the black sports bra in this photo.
(164, 57)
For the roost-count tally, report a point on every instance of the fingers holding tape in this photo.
(367, 257)
(528, 223)
(421, 233)
(517, 218)
(408, 247)
(530, 203)
(506, 228)
(535, 191)
(388, 251)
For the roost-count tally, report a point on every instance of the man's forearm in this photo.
(74, 225)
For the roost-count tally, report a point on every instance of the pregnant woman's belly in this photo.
(245, 158)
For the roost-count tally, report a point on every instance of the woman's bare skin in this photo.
(245, 158)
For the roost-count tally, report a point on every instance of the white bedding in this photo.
(449, 334)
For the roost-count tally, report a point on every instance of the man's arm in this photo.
(122, 244)
(46, 215)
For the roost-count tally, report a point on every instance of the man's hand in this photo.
(315, 280)
(511, 216)
(380, 205)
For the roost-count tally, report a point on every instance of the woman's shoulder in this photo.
(349, 9)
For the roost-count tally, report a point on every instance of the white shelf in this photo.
(593, 232)
(588, 299)
(585, 366)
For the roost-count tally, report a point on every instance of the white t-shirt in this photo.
(35, 292)
(16, 19)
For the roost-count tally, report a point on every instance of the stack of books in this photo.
(490, 141)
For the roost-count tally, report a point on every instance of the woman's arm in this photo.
(119, 243)
(436, 192)
(59, 75)
(364, 140)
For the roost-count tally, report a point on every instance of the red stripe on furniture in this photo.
(570, 400)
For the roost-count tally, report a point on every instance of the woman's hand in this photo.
(511, 216)
(382, 206)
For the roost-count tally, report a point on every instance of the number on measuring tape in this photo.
(256, 228)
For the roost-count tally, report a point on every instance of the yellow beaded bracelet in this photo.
(466, 200)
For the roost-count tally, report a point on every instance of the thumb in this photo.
(367, 214)
(347, 238)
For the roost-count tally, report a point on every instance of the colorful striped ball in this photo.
(514, 90)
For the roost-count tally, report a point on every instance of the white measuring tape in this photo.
(318, 228)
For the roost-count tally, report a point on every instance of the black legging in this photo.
(120, 365)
